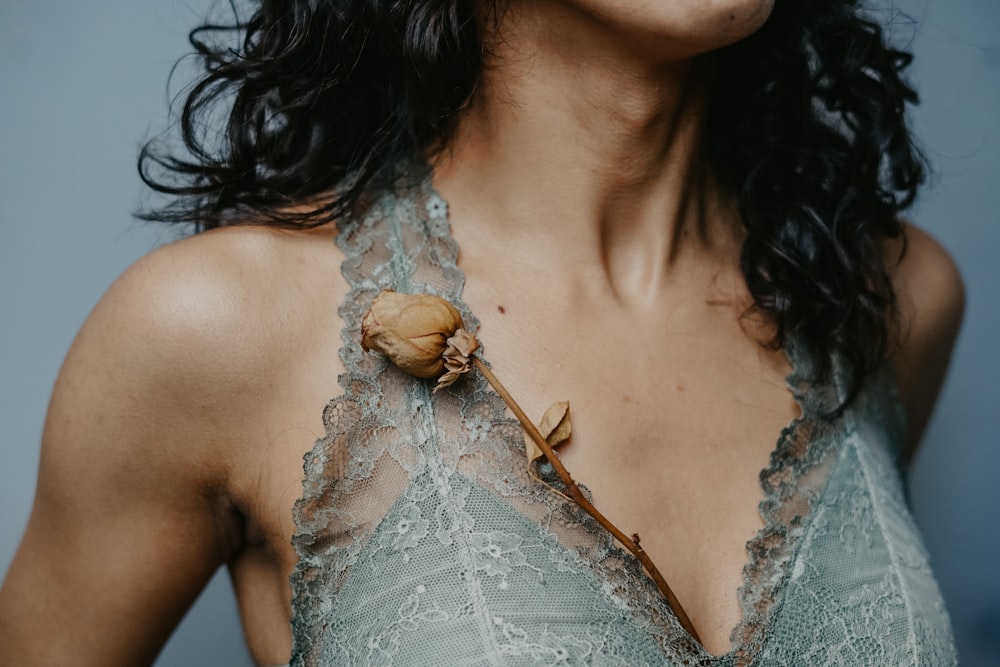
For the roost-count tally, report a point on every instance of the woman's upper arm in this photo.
(130, 517)
(932, 303)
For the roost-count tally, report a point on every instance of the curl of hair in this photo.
(806, 126)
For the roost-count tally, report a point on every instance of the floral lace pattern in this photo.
(423, 540)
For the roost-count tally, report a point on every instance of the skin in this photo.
(175, 436)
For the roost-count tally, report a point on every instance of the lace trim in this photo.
(330, 536)
(792, 483)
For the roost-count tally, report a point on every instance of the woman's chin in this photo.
(678, 28)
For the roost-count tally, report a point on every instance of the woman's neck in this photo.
(582, 150)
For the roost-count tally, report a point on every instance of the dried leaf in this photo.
(555, 427)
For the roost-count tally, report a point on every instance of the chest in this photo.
(672, 425)
(506, 560)
(673, 420)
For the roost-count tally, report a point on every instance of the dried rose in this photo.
(412, 330)
(422, 334)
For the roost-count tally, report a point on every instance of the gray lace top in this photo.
(423, 541)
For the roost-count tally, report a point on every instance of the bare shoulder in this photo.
(929, 283)
(163, 396)
(233, 271)
(209, 319)
(931, 297)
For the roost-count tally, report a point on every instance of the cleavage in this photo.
(670, 440)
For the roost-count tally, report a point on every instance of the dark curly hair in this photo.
(806, 126)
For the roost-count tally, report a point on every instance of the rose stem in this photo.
(567, 479)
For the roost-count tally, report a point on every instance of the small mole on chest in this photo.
(501, 310)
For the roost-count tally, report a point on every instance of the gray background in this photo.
(82, 83)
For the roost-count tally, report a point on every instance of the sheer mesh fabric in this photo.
(422, 539)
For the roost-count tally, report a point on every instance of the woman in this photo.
(663, 210)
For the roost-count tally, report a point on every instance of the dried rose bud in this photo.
(412, 330)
